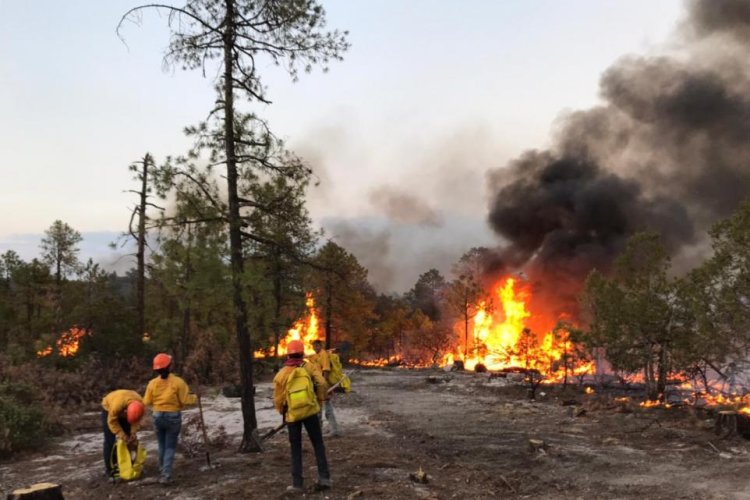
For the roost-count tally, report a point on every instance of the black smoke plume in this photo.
(668, 150)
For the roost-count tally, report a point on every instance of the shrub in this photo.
(23, 423)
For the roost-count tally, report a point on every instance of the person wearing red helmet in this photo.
(281, 387)
(167, 394)
(122, 411)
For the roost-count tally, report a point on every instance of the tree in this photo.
(714, 301)
(633, 313)
(427, 294)
(144, 173)
(346, 297)
(283, 244)
(434, 337)
(60, 250)
(465, 292)
(240, 34)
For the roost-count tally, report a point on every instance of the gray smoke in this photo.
(668, 151)
(403, 207)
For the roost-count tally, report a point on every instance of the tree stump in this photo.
(726, 424)
(40, 491)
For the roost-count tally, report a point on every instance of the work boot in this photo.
(294, 489)
(322, 485)
(165, 480)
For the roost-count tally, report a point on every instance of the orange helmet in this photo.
(295, 347)
(162, 361)
(135, 412)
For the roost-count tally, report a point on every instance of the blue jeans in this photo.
(312, 426)
(168, 426)
(109, 440)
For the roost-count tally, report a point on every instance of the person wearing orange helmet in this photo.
(167, 394)
(295, 360)
(122, 411)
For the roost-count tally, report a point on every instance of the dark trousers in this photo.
(312, 426)
(109, 439)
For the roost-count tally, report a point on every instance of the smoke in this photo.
(404, 207)
(666, 151)
(426, 215)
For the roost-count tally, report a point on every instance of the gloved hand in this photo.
(132, 441)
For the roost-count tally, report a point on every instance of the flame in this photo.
(43, 353)
(589, 390)
(501, 340)
(304, 329)
(68, 343)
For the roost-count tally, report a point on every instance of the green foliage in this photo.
(345, 298)
(427, 293)
(23, 423)
(60, 249)
(633, 312)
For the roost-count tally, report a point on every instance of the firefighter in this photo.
(122, 411)
(167, 395)
(298, 390)
(323, 359)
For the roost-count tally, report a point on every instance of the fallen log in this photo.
(39, 491)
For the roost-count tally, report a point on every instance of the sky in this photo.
(431, 96)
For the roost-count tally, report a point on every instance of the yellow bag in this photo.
(301, 401)
(337, 373)
(124, 465)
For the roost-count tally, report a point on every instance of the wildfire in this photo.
(501, 340)
(304, 329)
(68, 343)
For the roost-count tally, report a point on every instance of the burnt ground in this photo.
(469, 433)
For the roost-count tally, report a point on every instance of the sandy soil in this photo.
(469, 433)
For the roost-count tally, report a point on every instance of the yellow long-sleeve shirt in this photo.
(115, 404)
(279, 384)
(322, 359)
(168, 394)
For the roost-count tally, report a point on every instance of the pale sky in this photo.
(432, 94)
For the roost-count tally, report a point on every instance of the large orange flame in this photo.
(501, 339)
(68, 343)
(304, 329)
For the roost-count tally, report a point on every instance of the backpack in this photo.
(124, 465)
(337, 373)
(301, 401)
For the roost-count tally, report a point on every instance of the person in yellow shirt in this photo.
(323, 359)
(122, 411)
(295, 354)
(167, 395)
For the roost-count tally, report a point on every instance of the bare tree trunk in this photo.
(661, 382)
(329, 315)
(186, 313)
(651, 391)
(250, 437)
(466, 328)
(277, 304)
(141, 253)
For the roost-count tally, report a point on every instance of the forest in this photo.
(581, 298)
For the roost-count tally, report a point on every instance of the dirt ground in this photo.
(468, 432)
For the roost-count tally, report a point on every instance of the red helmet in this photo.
(135, 412)
(295, 347)
(162, 361)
